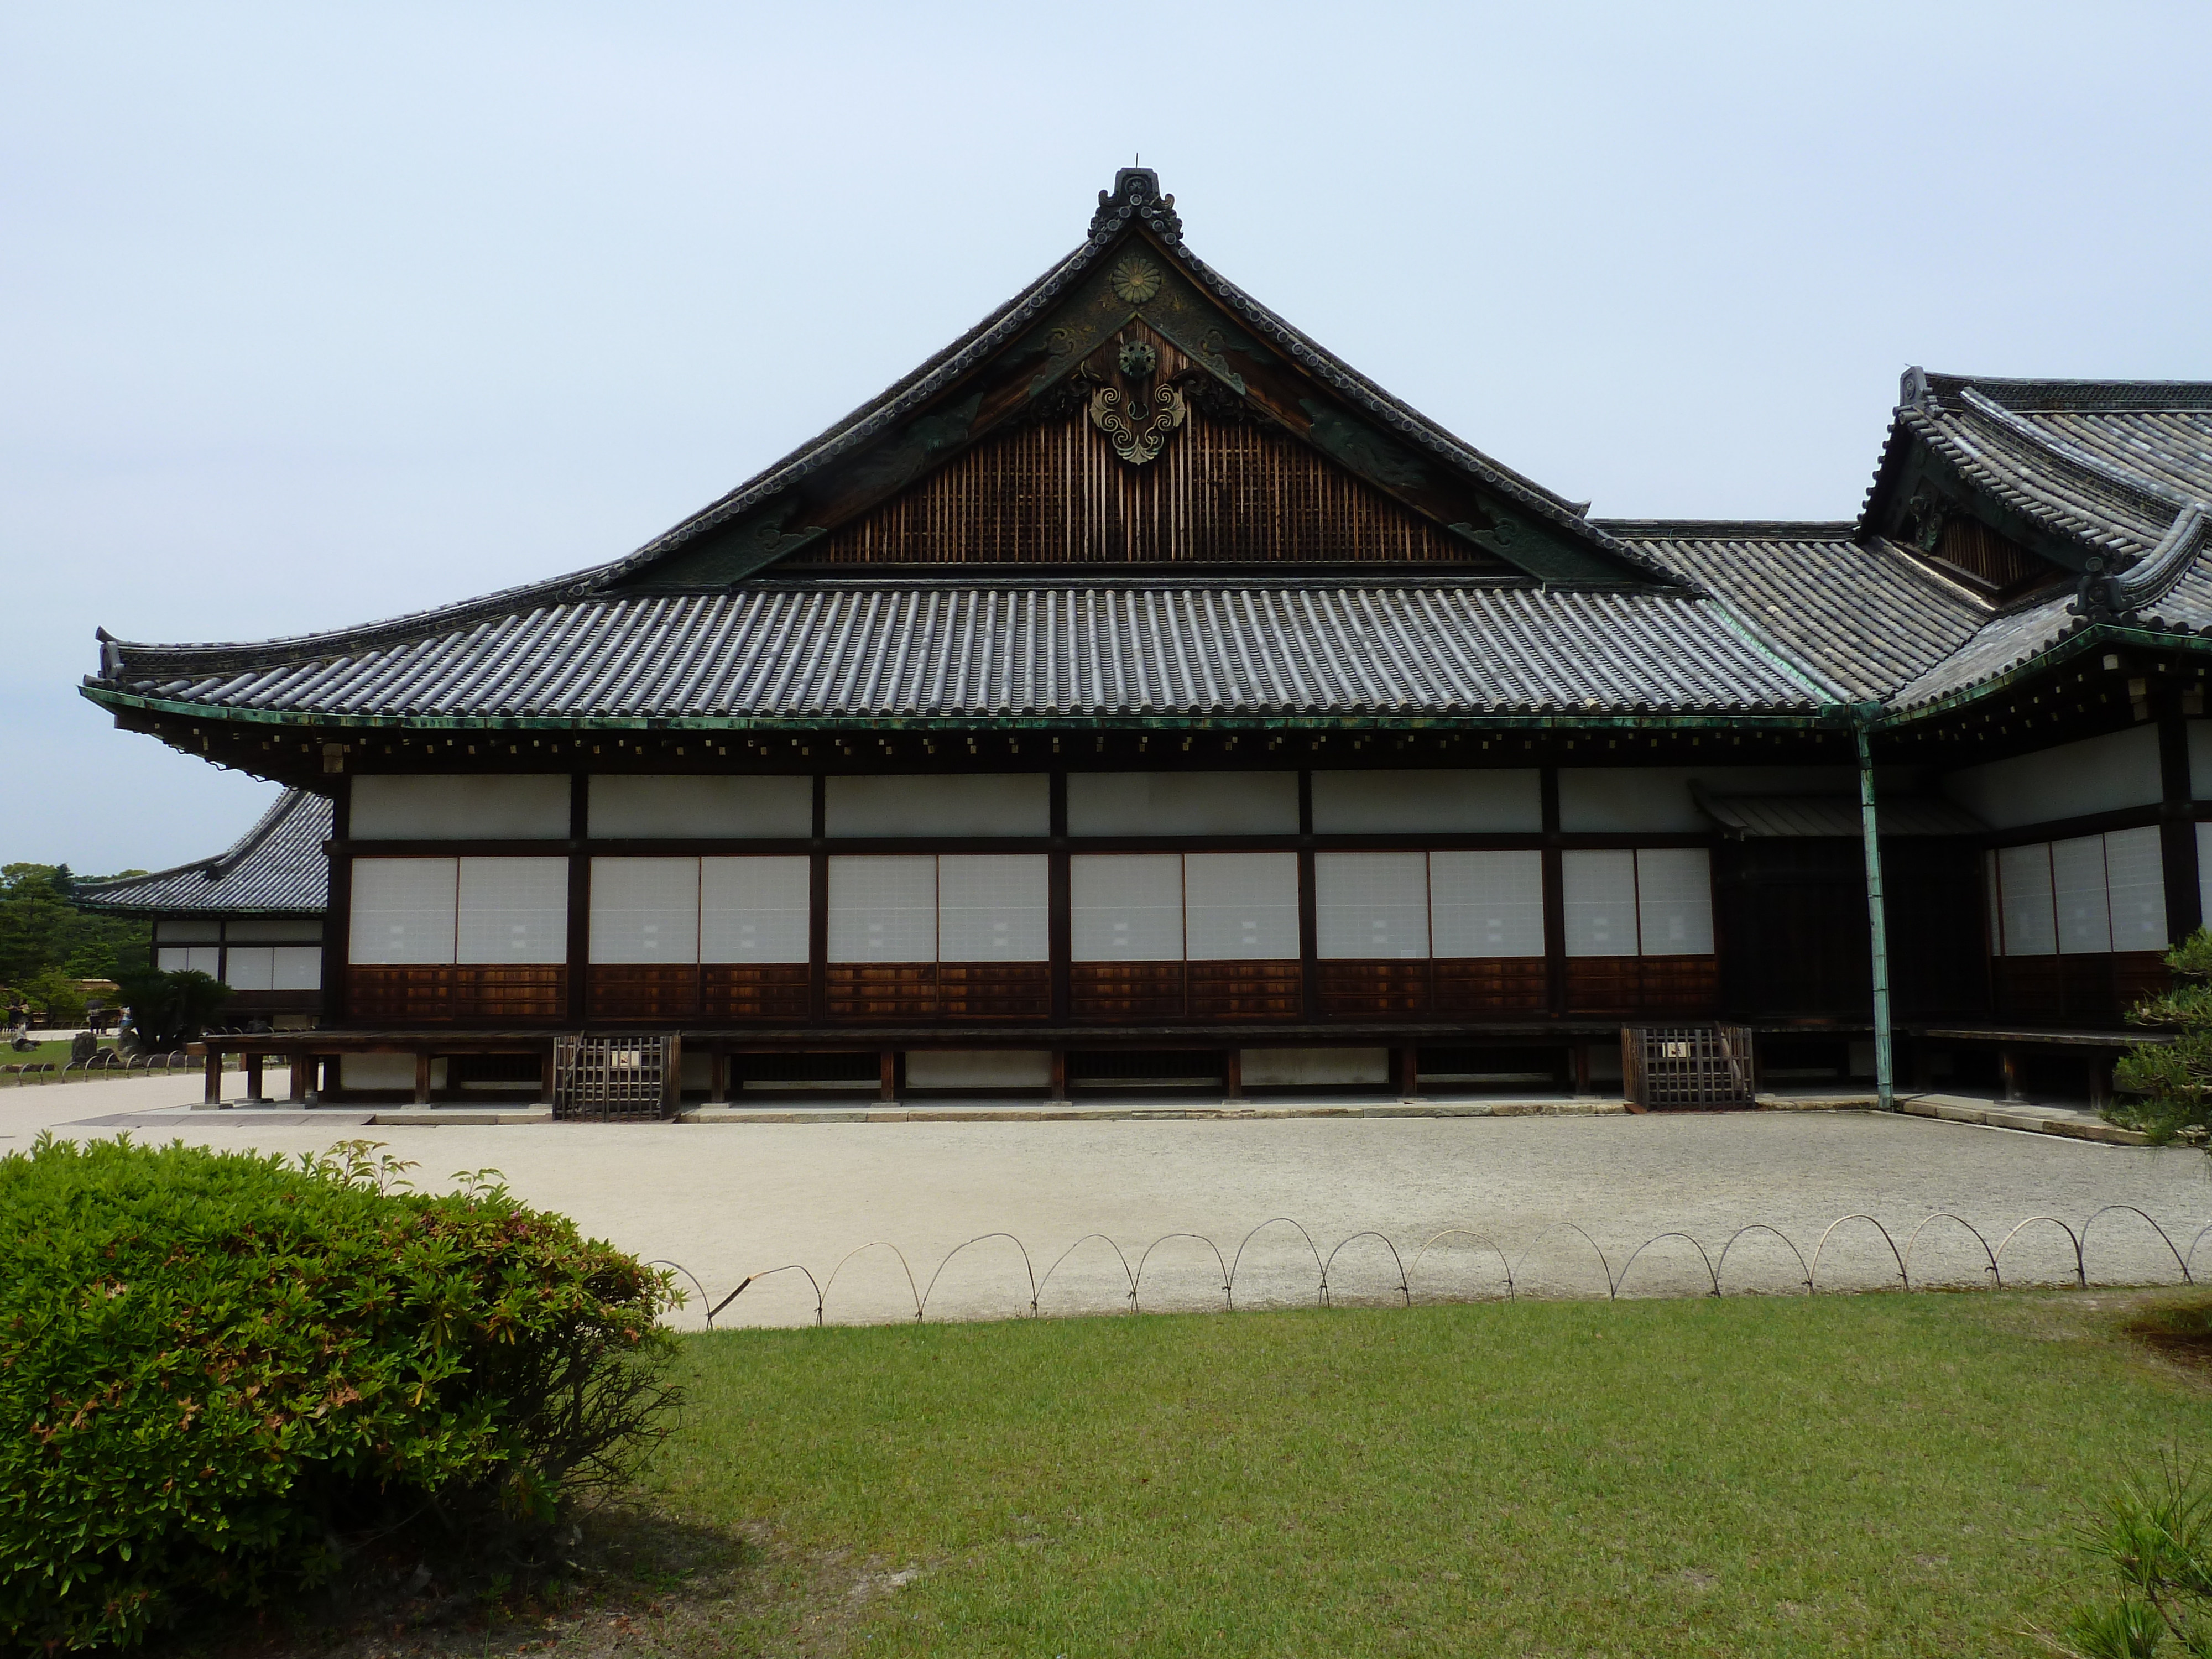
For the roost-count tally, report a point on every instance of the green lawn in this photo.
(1872, 1474)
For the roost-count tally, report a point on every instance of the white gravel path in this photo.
(728, 1200)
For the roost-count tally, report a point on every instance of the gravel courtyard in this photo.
(730, 1201)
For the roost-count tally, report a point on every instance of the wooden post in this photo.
(2176, 830)
(718, 1090)
(422, 1076)
(1554, 897)
(671, 1082)
(1578, 1051)
(249, 1061)
(1233, 1073)
(2008, 1069)
(211, 1095)
(303, 1068)
(1059, 1084)
(1409, 1072)
(887, 1074)
(2100, 1081)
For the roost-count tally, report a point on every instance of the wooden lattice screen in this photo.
(605, 1080)
(1686, 1067)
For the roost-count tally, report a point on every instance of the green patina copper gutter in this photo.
(1864, 715)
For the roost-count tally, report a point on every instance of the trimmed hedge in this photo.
(218, 1369)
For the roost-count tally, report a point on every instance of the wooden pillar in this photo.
(887, 1074)
(2008, 1070)
(1233, 1073)
(579, 951)
(422, 1076)
(1059, 913)
(1579, 1053)
(717, 1091)
(212, 1093)
(817, 903)
(1057, 1089)
(2100, 1081)
(249, 1061)
(338, 912)
(303, 1068)
(672, 1081)
(1555, 904)
(1409, 1072)
(2176, 830)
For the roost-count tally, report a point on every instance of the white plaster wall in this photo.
(978, 1068)
(1657, 799)
(625, 808)
(989, 803)
(1617, 798)
(2200, 759)
(274, 930)
(1183, 804)
(461, 808)
(2097, 774)
(1283, 1068)
(1407, 803)
(384, 1072)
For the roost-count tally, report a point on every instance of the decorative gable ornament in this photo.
(1137, 413)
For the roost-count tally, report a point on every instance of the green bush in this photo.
(168, 1010)
(219, 1372)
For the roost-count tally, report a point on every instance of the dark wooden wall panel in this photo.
(1246, 990)
(533, 995)
(1794, 913)
(1493, 985)
(768, 991)
(1643, 988)
(1056, 492)
(2092, 990)
(1142, 993)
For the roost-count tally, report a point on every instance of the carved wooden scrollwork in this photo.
(1139, 423)
(1137, 412)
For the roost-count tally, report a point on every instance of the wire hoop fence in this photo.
(1026, 1291)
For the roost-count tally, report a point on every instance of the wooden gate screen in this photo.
(1686, 1067)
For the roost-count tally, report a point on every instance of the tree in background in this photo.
(43, 932)
(168, 1010)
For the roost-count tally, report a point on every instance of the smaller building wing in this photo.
(277, 867)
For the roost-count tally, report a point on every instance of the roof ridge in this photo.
(2029, 432)
(1820, 530)
(2074, 396)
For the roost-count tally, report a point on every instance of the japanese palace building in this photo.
(251, 916)
(1136, 688)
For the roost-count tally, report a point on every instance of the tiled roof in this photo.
(1996, 647)
(1134, 200)
(276, 867)
(1866, 617)
(2110, 465)
(950, 649)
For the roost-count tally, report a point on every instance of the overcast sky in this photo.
(313, 314)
